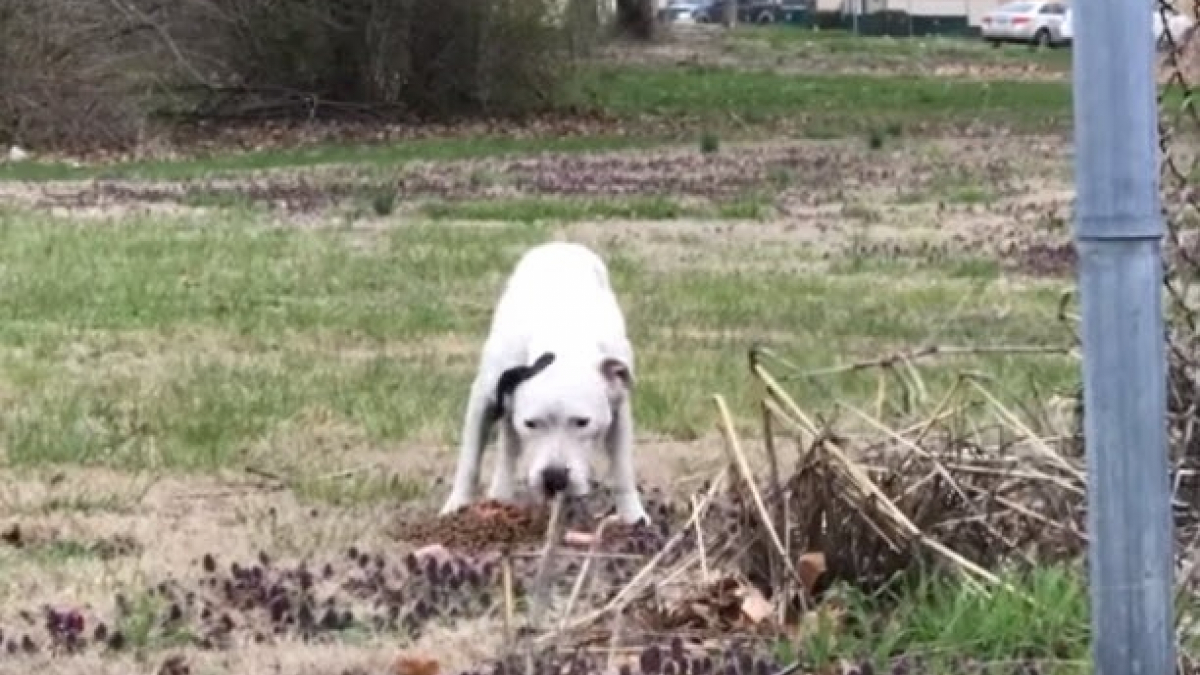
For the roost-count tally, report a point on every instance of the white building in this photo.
(972, 9)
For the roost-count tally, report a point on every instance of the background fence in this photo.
(895, 18)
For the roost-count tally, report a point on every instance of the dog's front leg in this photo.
(619, 444)
(503, 477)
(476, 424)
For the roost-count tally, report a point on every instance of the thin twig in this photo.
(642, 578)
(541, 581)
(748, 477)
(704, 571)
(583, 571)
(1043, 449)
(903, 358)
(885, 505)
(506, 574)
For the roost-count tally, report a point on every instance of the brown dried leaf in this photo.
(810, 568)
(414, 665)
(755, 607)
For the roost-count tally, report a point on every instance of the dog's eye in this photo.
(579, 422)
(532, 424)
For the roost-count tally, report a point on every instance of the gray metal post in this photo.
(1118, 235)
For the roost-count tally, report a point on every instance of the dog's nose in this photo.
(554, 480)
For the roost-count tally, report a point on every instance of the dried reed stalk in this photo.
(641, 579)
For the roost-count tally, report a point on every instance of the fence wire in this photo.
(1178, 69)
(1178, 76)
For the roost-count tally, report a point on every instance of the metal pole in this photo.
(1118, 233)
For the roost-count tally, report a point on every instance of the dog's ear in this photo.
(620, 379)
(512, 378)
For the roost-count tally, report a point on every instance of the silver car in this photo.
(1033, 22)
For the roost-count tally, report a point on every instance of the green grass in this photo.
(376, 155)
(731, 100)
(189, 343)
(530, 209)
(1041, 617)
(939, 620)
(534, 209)
(843, 44)
(837, 105)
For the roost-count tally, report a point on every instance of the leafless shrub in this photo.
(69, 74)
(92, 72)
(635, 18)
(431, 58)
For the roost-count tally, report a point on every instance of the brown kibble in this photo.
(415, 665)
(581, 539)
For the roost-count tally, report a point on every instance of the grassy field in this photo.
(172, 330)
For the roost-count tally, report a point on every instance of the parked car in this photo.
(1033, 22)
(682, 11)
(748, 11)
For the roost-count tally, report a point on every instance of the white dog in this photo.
(557, 371)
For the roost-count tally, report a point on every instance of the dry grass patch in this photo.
(187, 344)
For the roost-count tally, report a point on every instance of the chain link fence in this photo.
(1178, 73)
(1179, 128)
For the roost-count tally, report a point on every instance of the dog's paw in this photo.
(453, 504)
(503, 491)
(633, 513)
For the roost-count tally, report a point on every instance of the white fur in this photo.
(557, 300)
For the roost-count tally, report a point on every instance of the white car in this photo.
(1180, 26)
(1033, 22)
(682, 11)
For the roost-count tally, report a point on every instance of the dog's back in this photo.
(558, 293)
(575, 265)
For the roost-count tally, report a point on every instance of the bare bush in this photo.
(432, 58)
(92, 72)
(69, 74)
(635, 18)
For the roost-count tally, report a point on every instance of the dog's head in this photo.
(562, 407)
